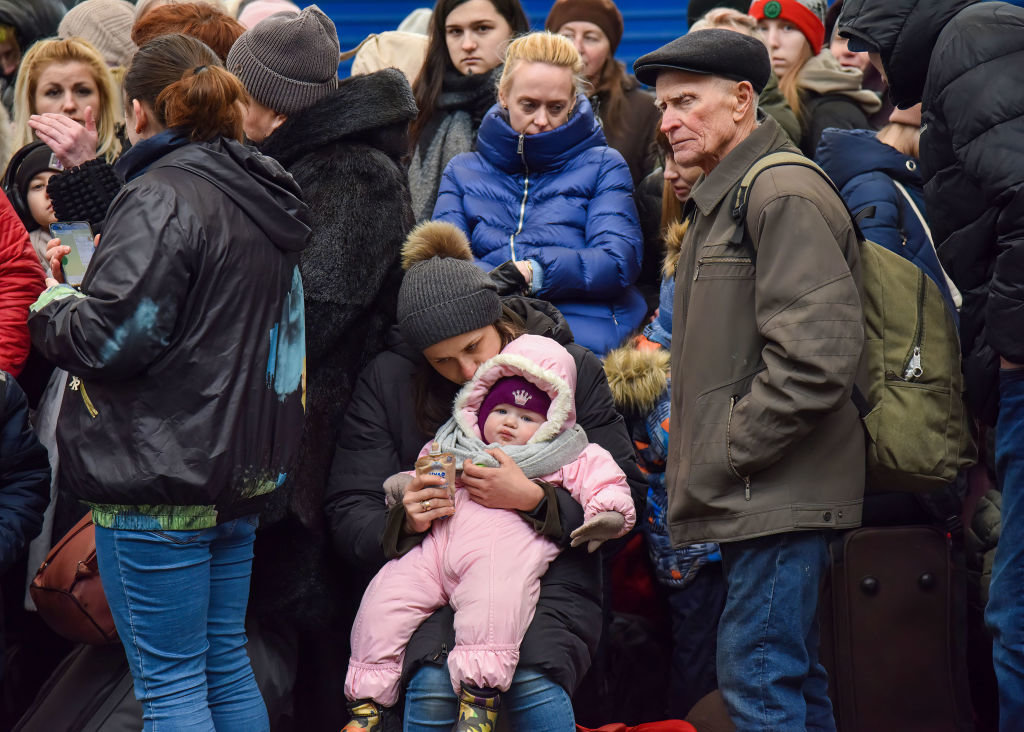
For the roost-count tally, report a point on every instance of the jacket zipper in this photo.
(728, 448)
(442, 653)
(912, 368)
(522, 205)
(76, 384)
(719, 260)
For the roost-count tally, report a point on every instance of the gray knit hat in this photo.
(443, 294)
(288, 62)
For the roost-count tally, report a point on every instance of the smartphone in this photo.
(78, 236)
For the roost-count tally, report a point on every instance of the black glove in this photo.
(509, 279)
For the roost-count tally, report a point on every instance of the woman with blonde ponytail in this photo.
(186, 342)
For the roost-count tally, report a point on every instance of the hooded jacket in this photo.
(767, 338)
(345, 154)
(962, 61)
(186, 344)
(866, 171)
(832, 97)
(380, 437)
(563, 200)
(21, 281)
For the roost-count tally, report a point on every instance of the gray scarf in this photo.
(535, 459)
(460, 106)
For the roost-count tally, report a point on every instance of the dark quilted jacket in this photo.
(962, 60)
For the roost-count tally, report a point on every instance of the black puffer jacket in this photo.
(344, 152)
(186, 342)
(963, 61)
(380, 437)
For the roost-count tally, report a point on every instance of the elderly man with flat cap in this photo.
(766, 452)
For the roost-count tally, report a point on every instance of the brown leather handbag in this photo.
(67, 590)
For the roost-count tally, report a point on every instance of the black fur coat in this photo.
(345, 153)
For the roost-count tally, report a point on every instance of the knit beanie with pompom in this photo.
(443, 294)
(807, 15)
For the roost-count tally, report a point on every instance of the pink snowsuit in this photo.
(486, 563)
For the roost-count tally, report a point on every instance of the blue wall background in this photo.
(648, 23)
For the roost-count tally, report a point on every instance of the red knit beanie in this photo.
(601, 13)
(807, 15)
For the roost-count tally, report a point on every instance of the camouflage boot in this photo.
(478, 709)
(366, 717)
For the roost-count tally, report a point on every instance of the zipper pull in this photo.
(914, 370)
(746, 488)
(75, 383)
(696, 271)
(519, 149)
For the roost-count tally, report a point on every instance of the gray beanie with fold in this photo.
(443, 293)
(288, 62)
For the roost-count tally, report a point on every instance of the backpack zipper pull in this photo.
(914, 369)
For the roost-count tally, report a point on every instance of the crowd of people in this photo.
(381, 392)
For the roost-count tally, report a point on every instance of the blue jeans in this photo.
(768, 668)
(532, 702)
(178, 599)
(1005, 612)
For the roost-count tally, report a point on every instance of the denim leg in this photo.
(157, 585)
(694, 613)
(430, 702)
(532, 702)
(536, 703)
(1005, 612)
(234, 699)
(768, 671)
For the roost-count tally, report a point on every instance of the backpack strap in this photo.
(741, 202)
(741, 194)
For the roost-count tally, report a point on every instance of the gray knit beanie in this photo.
(288, 62)
(443, 293)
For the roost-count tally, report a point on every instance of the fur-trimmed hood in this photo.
(673, 246)
(539, 360)
(637, 377)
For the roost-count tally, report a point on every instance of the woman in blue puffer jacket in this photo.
(880, 171)
(545, 191)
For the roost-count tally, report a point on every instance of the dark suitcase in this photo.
(90, 691)
(893, 631)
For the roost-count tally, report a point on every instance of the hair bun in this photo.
(435, 239)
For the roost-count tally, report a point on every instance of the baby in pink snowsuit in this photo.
(487, 563)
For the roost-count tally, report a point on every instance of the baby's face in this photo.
(511, 425)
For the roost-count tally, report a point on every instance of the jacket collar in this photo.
(710, 189)
(499, 143)
(144, 153)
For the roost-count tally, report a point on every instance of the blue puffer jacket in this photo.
(864, 170)
(563, 200)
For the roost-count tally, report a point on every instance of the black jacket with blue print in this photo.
(186, 344)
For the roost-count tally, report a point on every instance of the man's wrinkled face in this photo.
(697, 116)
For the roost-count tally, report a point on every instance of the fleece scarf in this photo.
(534, 459)
(460, 107)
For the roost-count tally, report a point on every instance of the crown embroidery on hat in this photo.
(521, 396)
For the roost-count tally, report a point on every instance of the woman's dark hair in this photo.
(432, 393)
(183, 80)
(431, 79)
(611, 86)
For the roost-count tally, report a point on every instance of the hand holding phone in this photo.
(76, 235)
